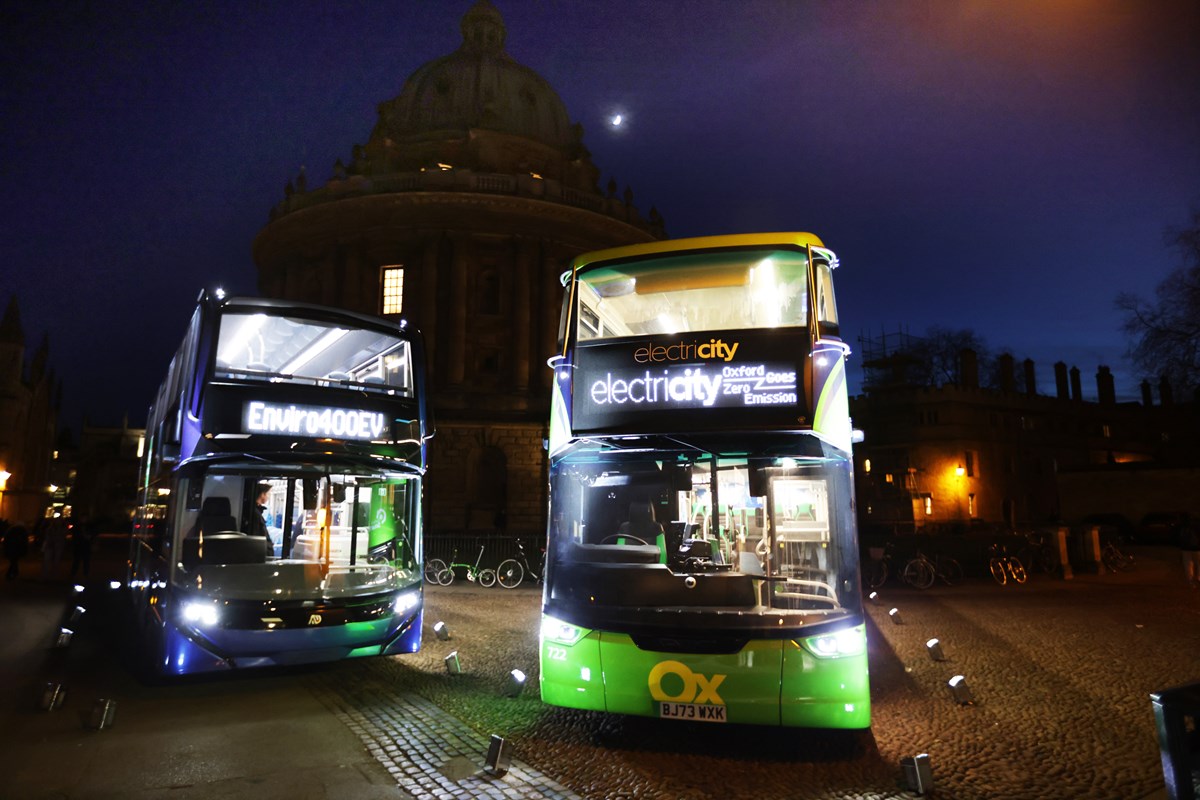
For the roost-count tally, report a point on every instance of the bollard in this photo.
(895, 615)
(918, 774)
(499, 757)
(453, 665)
(1172, 708)
(102, 714)
(53, 696)
(441, 631)
(516, 682)
(64, 637)
(960, 691)
(935, 650)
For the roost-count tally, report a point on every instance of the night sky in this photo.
(1008, 166)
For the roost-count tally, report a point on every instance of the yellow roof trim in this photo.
(696, 243)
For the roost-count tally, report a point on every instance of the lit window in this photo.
(1107, 431)
(928, 505)
(866, 465)
(393, 290)
(887, 478)
(971, 504)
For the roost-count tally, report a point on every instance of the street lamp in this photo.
(4, 476)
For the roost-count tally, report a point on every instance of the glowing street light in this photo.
(4, 476)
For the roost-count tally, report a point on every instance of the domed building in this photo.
(469, 199)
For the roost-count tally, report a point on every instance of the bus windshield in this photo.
(701, 291)
(286, 349)
(276, 536)
(737, 537)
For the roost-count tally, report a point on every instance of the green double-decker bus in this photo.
(702, 556)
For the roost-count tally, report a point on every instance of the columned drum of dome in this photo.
(476, 184)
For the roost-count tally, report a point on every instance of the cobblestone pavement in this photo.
(1060, 672)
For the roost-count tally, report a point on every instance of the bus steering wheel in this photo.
(615, 536)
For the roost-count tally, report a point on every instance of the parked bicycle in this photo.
(486, 577)
(880, 565)
(921, 571)
(1039, 553)
(1003, 566)
(433, 568)
(512, 571)
(1114, 559)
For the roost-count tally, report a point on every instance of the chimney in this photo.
(1104, 386)
(1147, 398)
(1164, 391)
(1060, 380)
(1030, 378)
(1005, 363)
(1076, 391)
(968, 369)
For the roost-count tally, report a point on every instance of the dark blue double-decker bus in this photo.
(279, 515)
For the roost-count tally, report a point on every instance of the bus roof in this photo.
(696, 243)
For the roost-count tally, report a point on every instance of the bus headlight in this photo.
(846, 642)
(406, 602)
(203, 614)
(555, 630)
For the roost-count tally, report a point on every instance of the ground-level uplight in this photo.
(516, 682)
(499, 756)
(960, 691)
(103, 713)
(918, 774)
(53, 696)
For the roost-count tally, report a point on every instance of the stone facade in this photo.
(476, 184)
(29, 399)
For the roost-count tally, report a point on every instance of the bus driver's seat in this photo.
(216, 516)
(643, 525)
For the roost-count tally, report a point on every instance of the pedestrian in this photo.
(82, 535)
(1189, 545)
(54, 544)
(16, 544)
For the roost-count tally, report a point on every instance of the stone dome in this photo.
(478, 87)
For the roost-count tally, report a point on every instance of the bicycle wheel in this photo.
(487, 578)
(1044, 558)
(446, 576)
(997, 568)
(510, 573)
(1017, 569)
(949, 570)
(433, 567)
(1115, 560)
(918, 573)
(878, 574)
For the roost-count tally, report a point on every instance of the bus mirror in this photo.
(310, 493)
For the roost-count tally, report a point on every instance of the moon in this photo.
(616, 120)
